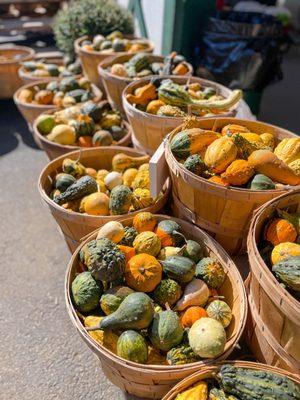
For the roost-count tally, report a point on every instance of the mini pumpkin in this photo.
(279, 230)
(143, 273)
(144, 221)
(147, 242)
(191, 315)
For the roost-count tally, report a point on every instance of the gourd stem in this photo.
(93, 328)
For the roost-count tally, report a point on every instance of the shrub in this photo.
(89, 17)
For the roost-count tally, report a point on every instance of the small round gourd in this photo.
(95, 204)
(45, 123)
(169, 233)
(102, 138)
(113, 179)
(143, 273)
(120, 200)
(141, 198)
(112, 230)
(101, 174)
(193, 250)
(191, 315)
(279, 230)
(144, 221)
(262, 182)
(220, 311)
(283, 251)
(133, 347)
(268, 139)
(130, 233)
(63, 181)
(62, 134)
(86, 292)
(147, 242)
(165, 331)
(129, 175)
(118, 70)
(211, 272)
(168, 291)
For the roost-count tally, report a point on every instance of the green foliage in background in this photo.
(90, 17)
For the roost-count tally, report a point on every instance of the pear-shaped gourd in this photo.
(121, 162)
(165, 331)
(135, 312)
(196, 293)
(112, 230)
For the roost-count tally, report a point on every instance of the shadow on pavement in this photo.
(13, 128)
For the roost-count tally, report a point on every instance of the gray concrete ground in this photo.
(41, 354)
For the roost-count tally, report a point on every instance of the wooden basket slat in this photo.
(153, 381)
(75, 225)
(224, 212)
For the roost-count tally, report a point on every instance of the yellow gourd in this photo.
(154, 106)
(142, 180)
(288, 150)
(196, 392)
(101, 174)
(112, 230)
(121, 162)
(95, 204)
(147, 242)
(268, 139)
(141, 198)
(251, 137)
(295, 166)
(144, 221)
(231, 129)
(284, 250)
(101, 186)
(129, 175)
(108, 339)
(220, 154)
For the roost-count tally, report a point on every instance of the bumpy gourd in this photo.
(132, 347)
(284, 251)
(220, 311)
(165, 331)
(279, 230)
(211, 272)
(141, 198)
(268, 139)
(82, 187)
(121, 162)
(113, 297)
(193, 250)
(107, 339)
(179, 268)
(196, 293)
(170, 111)
(288, 272)
(86, 292)
(129, 175)
(142, 180)
(288, 150)
(207, 338)
(247, 147)
(168, 291)
(182, 354)
(220, 154)
(143, 273)
(250, 384)
(103, 259)
(238, 173)
(130, 233)
(144, 221)
(191, 141)
(147, 242)
(191, 315)
(195, 164)
(196, 392)
(120, 200)
(169, 233)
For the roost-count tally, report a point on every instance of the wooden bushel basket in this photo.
(91, 59)
(154, 381)
(275, 313)
(54, 150)
(31, 111)
(208, 372)
(149, 129)
(114, 85)
(75, 225)
(9, 78)
(225, 212)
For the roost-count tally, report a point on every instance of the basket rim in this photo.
(183, 79)
(232, 189)
(30, 53)
(78, 48)
(50, 202)
(252, 247)
(160, 368)
(190, 380)
(43, 138)
(107, 62)
(96, 91)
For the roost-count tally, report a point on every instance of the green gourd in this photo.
(86, 292)
(68, 84)
(83, 127)
(168, 291)
(135, 312)
(113, 297)
(179, 268)
(120, 200)
(63, 181)
(82, 187)
(193, 250)
(136, 64)
(76, 94)
(288, 272)
(102, 138)
(165, 331)
(103, 259)
(130, 234)
(132, 347)
(73, 167)
(245, 147)
(262, 182)
(169, 233)
(219, 394)
(195, 164)
(182, 354)
(94, 110)
(220, 311)
(211, 272)
(248, 384)
(45, 123)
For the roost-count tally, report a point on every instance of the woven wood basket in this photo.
(91, 59)
(154, 381)
(275, 312)
(9, 78)
(211, 371)
(31, 111)
(224, 212)
(54, 150)
(114, 85)
(149, 129)
(76, 225)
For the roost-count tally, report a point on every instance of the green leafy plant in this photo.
(90, 17)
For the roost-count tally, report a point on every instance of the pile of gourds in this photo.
(140, 65)
(59, 93)
(237, 383)
(123, 189)
(280, 249)
(170, 99)
(237, 157)
(113, 43)
(86, 125)
(150, 295)
(42, 69)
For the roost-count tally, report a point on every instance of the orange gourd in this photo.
(191, 315)
(144, 221)
(238, 173)
(143, 273)
(128, 251)
(217, 179)
(143, 95)
(283, 251)
(280, 230)
(85, 141)
(231, 129)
